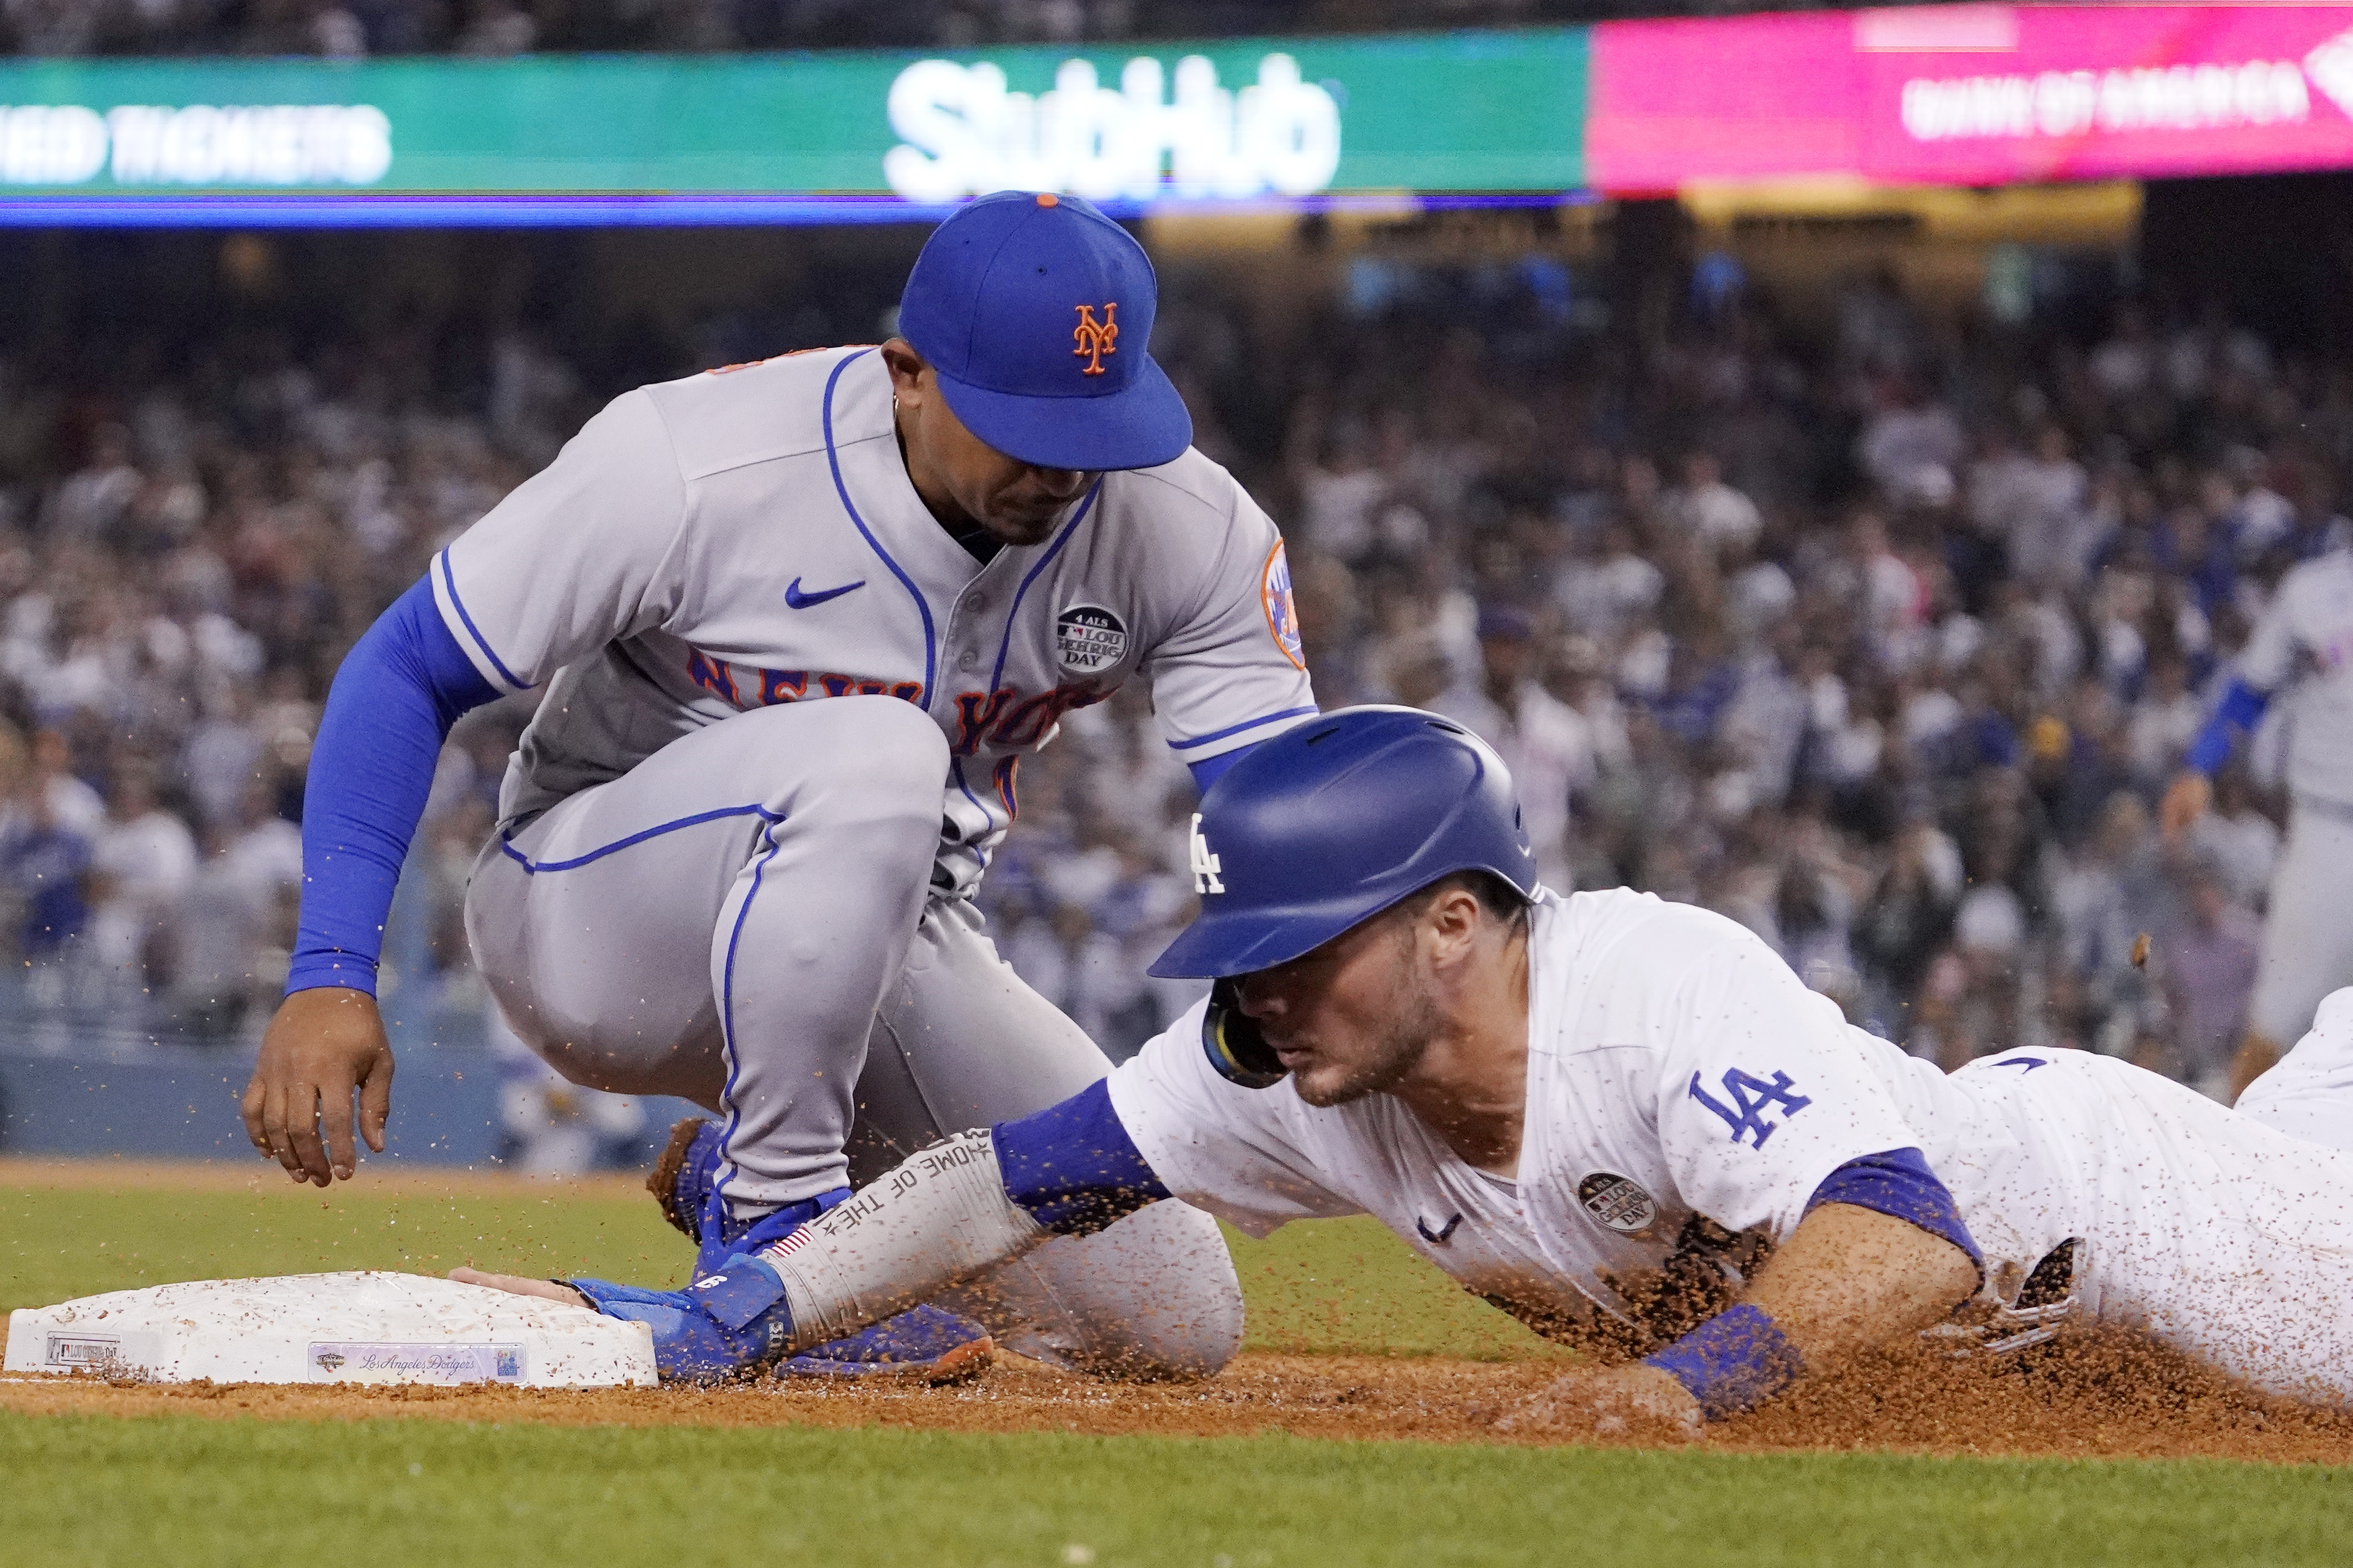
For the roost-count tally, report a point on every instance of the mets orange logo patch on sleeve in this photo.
(1281, 615)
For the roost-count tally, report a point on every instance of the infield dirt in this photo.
(2094, 1394)
(68, 1228)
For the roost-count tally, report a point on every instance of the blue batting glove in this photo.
(716, 1328)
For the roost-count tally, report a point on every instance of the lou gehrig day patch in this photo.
(1281, 615)
(1089, 638)
(1617, 1202)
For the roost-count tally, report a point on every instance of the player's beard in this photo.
(1409, 1019)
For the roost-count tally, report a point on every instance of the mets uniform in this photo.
(2302, 647)
(783, 720)
(1677, 1068)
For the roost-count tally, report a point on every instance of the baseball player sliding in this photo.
(2304, 640)
(1583, 1108)
(798, 622)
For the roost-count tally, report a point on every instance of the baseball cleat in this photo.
(922, 1344)
(685, 1183)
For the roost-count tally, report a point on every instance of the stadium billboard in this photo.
(782, 137)
(1976, 95)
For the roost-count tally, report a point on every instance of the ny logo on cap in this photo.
(1096, 339)
(1205, 867)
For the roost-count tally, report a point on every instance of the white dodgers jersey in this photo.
(2311, 618)
(1676, 1067)
(749, 537)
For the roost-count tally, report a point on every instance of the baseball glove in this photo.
(663, 1182)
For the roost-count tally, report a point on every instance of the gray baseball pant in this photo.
(2307, 941)
(745, 920)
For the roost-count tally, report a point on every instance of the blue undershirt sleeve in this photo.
(1899, 1184)
(1074, 1165)
(2241, 709)
(392, 702)
(1207, 771)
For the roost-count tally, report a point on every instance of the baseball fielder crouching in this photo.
(1565, 1103)
(798, 622)
(2302, 647)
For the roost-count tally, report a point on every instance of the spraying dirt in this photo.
(2088, 1394)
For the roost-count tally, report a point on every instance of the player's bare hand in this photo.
(321, 1047)
(2186, 799)
(516, 1285)
(1639, 1402)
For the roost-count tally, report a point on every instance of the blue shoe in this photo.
(922, 1344)
(685, 1183)
(925, 1342)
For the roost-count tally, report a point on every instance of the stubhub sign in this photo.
(856, 136)
(962, 132)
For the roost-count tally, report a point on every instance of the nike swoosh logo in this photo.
(800, 601)
(1436, 1237)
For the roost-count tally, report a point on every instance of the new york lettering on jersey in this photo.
(736, 541)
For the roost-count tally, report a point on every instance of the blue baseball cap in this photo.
(1034, 309)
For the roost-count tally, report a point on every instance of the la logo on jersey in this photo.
(1095, 338)
(1751, 1098)
(1205, 864)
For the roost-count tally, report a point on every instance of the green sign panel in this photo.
(1255, 119)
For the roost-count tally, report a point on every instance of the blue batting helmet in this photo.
(1331, 822)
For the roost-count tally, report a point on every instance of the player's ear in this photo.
(1451, 917)
(906, 366)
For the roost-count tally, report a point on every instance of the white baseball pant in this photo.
(2199, 1225)
(2309, 1093)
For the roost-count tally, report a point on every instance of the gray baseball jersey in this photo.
(749, 537)
(782, 705)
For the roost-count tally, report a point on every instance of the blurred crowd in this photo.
(184, 558)
(1879, 633)
(1878, 630)
(352, 29)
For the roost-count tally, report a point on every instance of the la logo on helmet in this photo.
(1205, 864)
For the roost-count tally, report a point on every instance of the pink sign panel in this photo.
(1973, 94)
(1737, 98)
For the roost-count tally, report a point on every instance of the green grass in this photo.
(1347, 1284)
(193, 1491)
(59, 1243)
(177, 1489)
